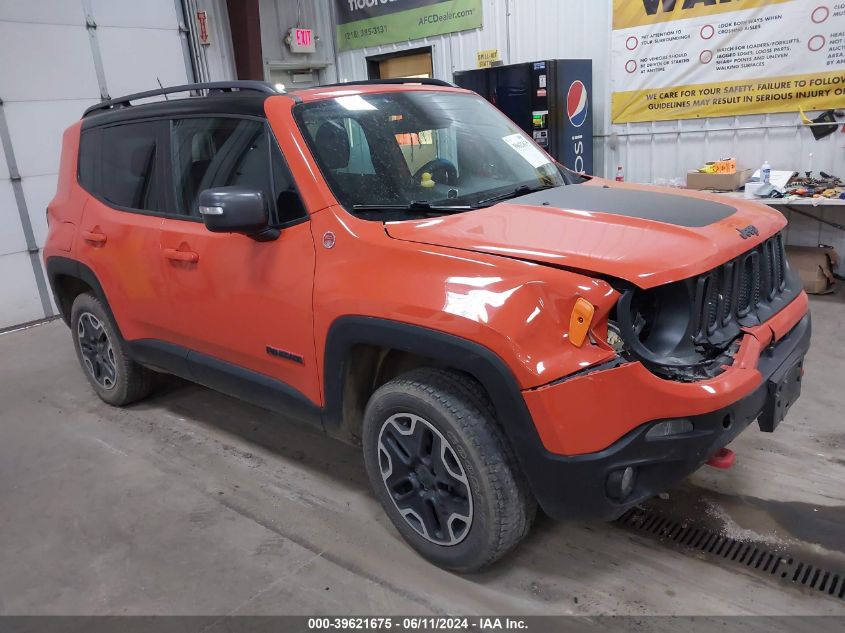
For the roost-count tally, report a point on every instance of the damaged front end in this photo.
(691, 330)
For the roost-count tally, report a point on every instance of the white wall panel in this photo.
(135, 59)
(778, 138)
(11, 234)
(147, 14)
(19, 300)
(36, 129)
(42, 11)
(45, 61)
(4, 168)
(39, 191)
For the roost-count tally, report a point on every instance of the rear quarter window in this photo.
(119, 164)
(88, 145)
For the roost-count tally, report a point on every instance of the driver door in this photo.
(241, 301)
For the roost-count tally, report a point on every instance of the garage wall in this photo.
(48, 76)
(277, 17)
(528, 30)
(214, 61)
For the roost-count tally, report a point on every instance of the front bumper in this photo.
(575, 487)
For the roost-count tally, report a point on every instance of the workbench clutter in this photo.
(810, 186)
(724, 175)
(792, 185)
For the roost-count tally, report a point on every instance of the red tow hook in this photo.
(724, 458)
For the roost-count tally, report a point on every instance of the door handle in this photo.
(181, 256)
(94, 237)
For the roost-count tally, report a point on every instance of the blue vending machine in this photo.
(551, 100)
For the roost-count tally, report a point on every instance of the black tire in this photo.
(482, 480)
(99, 346)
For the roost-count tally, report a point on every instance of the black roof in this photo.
(222, 97)
(423, 81)
(244, 98)
(242, 105)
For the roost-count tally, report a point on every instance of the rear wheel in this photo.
(116, 378)
(443, 470)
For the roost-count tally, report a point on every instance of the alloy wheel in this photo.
(96, 349)
(425, 479)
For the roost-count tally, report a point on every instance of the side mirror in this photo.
(236, 210)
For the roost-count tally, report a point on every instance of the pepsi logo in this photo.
(576, 103)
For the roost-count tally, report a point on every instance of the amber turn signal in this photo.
(579, 322)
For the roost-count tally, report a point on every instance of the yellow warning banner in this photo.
(629, 13)
(682, 59)
(731, 98)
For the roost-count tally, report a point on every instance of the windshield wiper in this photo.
(417, 205)
(514, 193)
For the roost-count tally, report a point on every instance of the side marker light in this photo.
(579, 322)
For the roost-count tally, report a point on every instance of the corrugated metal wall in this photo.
(528, 30)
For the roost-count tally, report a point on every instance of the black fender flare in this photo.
(459, 353)
(65, 267)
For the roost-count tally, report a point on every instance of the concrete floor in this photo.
(194, 503)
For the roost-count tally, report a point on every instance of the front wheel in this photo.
(443, 470)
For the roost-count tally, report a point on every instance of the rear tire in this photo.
(103, 354)
(443, 470)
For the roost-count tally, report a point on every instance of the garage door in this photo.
(59, 57)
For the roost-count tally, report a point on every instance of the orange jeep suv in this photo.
(401, 266)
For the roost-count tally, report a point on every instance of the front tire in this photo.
(443, 470)
(117, 379)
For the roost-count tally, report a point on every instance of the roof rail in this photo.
(211, 86)
(425, 81)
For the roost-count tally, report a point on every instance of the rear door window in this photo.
(121, 165)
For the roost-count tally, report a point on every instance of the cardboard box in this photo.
(815, 266)
(718, 182)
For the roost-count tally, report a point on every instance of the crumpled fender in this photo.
(518, 310)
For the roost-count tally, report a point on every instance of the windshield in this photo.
(423, 150)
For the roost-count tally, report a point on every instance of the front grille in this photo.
(733, 294)
(691, 329)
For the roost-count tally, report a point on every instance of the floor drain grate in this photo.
(752, 555)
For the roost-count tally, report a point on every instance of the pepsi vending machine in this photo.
(551, 100)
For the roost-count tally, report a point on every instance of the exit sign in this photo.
(301, 41)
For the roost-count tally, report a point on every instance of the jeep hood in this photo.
(645, 235)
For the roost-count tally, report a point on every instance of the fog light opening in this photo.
(728, 421)
(668, 428)
(620, 483)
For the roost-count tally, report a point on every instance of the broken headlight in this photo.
(614, 337)
(655, 324)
